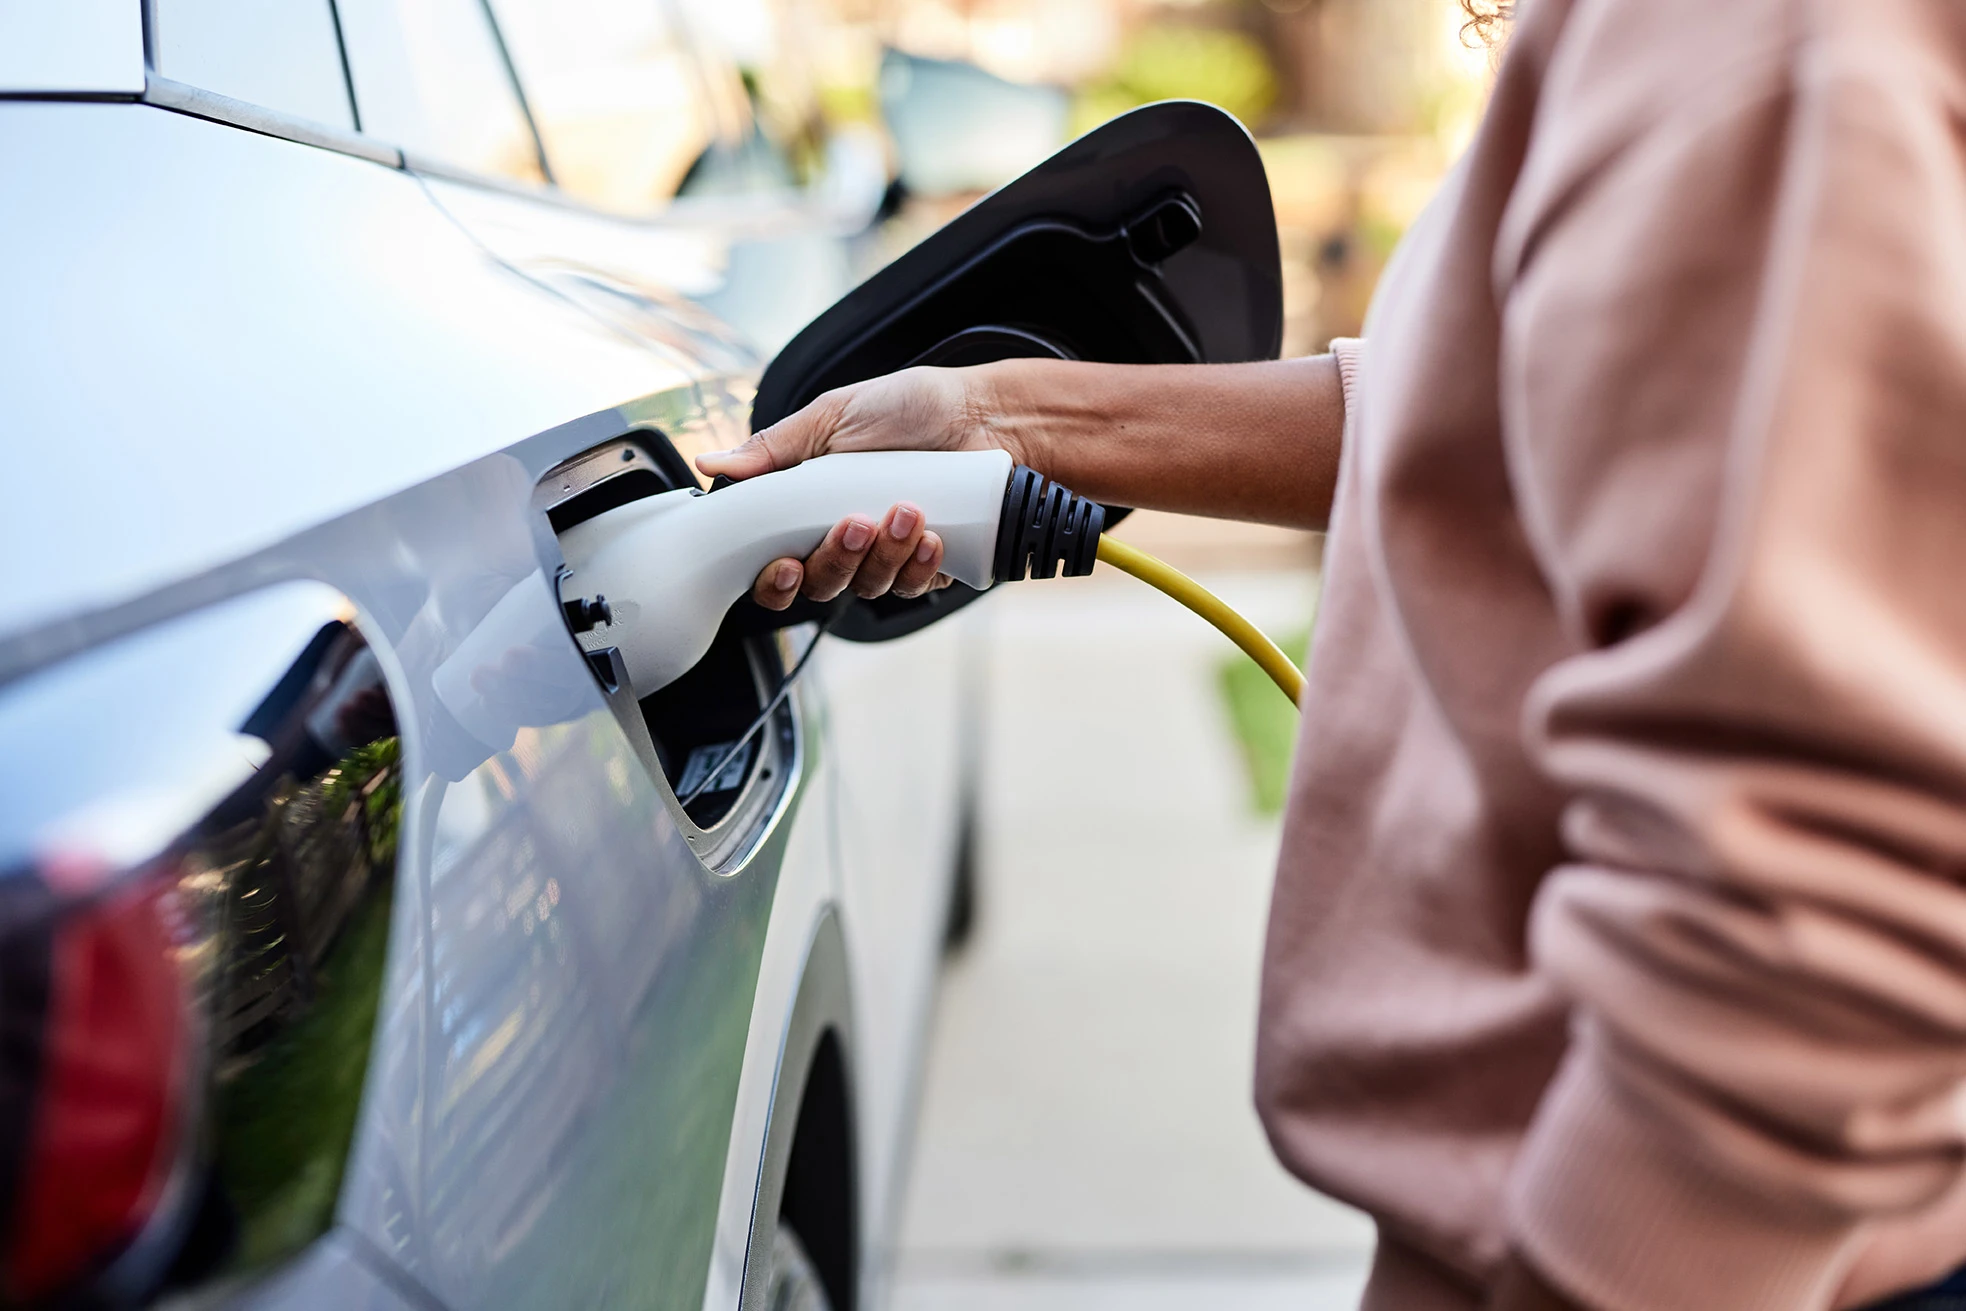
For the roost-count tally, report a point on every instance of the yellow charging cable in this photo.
(1210, 607)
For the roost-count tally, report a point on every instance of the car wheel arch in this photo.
(807, 1175)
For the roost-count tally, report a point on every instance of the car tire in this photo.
(794, 1284)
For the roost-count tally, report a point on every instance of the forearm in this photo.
(1256, 441)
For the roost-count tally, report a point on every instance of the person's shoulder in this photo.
(1678, 87)
(1644, 112)
(1655, 63)
(1643, 64)
(1639, 97)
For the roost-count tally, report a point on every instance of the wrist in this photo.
(1001, 410)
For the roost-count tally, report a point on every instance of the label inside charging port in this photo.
(702, 760)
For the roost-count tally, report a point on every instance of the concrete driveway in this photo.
(1086, 1138)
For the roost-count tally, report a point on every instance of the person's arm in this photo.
(1255, 441)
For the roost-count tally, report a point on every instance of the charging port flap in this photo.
(1150, 240)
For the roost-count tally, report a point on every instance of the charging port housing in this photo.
(683, 730)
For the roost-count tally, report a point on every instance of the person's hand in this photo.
(921, 409)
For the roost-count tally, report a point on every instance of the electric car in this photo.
(367, 939)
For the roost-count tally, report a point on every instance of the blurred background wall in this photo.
(1360, 106)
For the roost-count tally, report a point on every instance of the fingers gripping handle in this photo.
(671, 565)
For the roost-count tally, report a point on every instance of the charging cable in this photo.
(764, 716)
(1158, 573)
(1046, 529)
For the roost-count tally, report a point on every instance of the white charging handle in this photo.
(670, 566)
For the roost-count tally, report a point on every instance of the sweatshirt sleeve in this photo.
(1734, 395)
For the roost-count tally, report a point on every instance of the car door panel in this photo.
(549, 1118)
(588, 979)
(557, 1062)
(610, 267)
(892, 731)
(340, 1272)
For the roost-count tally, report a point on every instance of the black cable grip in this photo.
(1045, 528)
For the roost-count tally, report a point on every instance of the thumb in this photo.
(794, 438)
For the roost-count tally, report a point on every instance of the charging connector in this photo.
(671, 565)
(1045, 530)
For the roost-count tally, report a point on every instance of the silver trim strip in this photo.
(163, 93)
(743, 218)
(424, 166)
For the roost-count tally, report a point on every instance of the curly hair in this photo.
(1486, 20)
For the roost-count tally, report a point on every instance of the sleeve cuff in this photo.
(1350, 354)
(1621, 1220)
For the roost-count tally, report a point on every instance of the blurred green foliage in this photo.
(1264, 721)
(382, 808)
(1180, 62)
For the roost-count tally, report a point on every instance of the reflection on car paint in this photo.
(503, 677)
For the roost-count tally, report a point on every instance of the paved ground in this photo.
(1086, 1138)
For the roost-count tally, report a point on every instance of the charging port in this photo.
(685, 731)
(702, 718)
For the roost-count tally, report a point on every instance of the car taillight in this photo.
(197, 851)
(106, 1054)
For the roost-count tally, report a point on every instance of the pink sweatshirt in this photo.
(1622, 910)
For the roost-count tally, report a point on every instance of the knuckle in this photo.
(890, 555)
(914, 578)
(867, 585)
(778, 449)
(826, 577)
